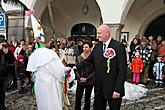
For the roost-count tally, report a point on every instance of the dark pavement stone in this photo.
(154, 100)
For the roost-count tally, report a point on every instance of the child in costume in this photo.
(137, 67)
(158, 67)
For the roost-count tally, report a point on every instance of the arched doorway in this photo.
(83, 31)
(156, 27)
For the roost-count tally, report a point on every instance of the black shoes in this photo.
(159, 85)
(4, 108)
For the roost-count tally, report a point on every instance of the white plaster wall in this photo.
(111, 10)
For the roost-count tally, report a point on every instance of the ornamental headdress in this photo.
(37, 29)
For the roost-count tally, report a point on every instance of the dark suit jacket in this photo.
(107, 83)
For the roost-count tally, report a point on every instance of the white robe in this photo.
(49, 72)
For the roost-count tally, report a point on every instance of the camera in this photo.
(4, 45)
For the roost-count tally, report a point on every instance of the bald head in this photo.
(103, 33)
(104, 27)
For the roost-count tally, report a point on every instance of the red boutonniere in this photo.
(109, 53)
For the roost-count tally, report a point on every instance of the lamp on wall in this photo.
(85, 8)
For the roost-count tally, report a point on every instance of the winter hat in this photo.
(137, 53)
(159, 58)
(20, 59)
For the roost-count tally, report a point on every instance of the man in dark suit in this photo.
(109, 85)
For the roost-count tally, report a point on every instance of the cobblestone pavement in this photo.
(154, 100)
(16, 101)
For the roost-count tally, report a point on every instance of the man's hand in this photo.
(4, 49)
(83, 80)
(74, 68)
(115, 95)
(1, 46)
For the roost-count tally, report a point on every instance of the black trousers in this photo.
(79, 93)
(100, 103)
(2, 92)
(13, 74)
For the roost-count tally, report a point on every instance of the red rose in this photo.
(109, 53)
(68, 75)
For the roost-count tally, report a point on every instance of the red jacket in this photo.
(162, 52)
(137, 65)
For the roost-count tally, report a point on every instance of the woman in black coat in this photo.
(85, 80)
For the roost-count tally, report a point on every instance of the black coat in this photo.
(87, 72)
(107, 83)
(6, 62)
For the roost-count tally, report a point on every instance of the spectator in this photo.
(6, 59)
(124, 42)
(161, 50)
(85, 81)
(133, 44)
(136, 67)
(71, 52)
(154, 47)
(159, 39)
(145, 51)
(158, 69)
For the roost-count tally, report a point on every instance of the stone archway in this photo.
(126, 7)
(83, 31)
(156, 27)
(141, 14)
(149, 20)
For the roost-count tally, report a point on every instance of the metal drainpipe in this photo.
(7, 22)
(23, 34)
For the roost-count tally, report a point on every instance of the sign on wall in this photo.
(125, 36)
(2, 21)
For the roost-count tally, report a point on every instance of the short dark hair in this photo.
(2, 38)
(70, 38)
(88, 43)
(22, 40)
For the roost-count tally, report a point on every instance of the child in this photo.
(163, 75)
(158, 67)
(137, 67)
(21, 75)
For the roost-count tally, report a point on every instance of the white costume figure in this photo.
(49, 73)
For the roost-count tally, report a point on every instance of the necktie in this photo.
(104, 47)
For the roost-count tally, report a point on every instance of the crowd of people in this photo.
(93, 68)
(152, 53)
